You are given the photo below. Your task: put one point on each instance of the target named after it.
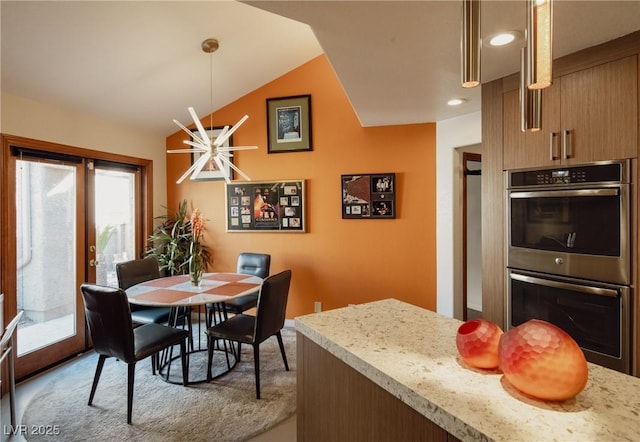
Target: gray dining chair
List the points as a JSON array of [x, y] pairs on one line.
[[134, 272], [246, 329], [130, 273], [113, 335], [248, 263]]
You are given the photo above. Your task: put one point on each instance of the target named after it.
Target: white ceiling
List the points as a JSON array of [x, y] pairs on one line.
[[140, 63]]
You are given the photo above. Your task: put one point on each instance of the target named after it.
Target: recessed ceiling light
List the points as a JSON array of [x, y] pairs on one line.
[[503, 38], [456, 101]]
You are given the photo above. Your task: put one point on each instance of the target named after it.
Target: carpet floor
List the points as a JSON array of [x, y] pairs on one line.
[[225, 409]]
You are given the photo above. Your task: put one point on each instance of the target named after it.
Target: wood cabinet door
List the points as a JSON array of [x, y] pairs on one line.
[[531, 149], [600, 111]]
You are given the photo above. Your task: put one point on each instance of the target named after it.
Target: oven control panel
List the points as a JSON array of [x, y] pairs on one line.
[[592, 173], [566, 176]]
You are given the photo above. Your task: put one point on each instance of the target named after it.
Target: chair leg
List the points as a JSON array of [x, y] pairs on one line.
[[185, 364], [130, 379], [256, 363], [169, 362], [190, 326], [284, 356], [226, 352], [210, 342], [96, 377]]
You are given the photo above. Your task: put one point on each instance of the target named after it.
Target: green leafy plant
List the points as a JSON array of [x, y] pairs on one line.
[[171, 241], [104, 236]]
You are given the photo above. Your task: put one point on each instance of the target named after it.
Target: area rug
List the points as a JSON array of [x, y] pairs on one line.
[[225, 409]]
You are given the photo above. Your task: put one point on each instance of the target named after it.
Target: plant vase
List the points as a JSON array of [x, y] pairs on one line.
[[196, 264]]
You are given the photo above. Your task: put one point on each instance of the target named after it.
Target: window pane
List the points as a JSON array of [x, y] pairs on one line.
[[46, 253], [115, 233]]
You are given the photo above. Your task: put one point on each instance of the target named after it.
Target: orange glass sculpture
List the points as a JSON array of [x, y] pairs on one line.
[[477, 341], [543, 361]]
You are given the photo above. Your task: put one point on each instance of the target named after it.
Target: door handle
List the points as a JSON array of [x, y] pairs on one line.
[[552, 146], [591, 290], [566, 144]]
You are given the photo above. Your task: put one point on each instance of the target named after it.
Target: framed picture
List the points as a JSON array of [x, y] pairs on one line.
[[369, 196], [289, 124], [266, 206], [211, 171]]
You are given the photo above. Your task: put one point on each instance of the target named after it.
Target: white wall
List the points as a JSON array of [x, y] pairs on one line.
[[31, 119], [452, 133]]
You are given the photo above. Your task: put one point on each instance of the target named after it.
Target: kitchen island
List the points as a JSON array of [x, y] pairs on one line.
[[388, 370]]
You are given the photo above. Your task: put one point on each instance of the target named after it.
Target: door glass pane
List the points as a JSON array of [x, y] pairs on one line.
[[46, 253], [115, 232]]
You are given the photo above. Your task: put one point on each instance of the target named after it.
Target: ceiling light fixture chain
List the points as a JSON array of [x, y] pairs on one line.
[[213, 153]]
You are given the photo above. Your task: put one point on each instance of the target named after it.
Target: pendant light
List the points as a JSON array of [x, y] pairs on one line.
[[539, 43], [470, 41], [530, 100], [210, 149]]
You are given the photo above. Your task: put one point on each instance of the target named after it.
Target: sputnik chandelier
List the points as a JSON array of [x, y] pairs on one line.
[[201, 143]]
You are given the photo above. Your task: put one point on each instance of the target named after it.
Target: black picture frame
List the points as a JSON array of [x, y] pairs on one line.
[[289, 124], [266, 206], [369, 196], [210, 172]]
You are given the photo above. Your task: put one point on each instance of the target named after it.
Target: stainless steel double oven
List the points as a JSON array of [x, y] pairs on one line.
[[570, 252]]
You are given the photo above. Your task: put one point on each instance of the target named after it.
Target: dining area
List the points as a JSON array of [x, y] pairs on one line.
[[192, 333]]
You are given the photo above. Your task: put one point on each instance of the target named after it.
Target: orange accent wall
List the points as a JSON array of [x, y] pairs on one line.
[[338, 261]]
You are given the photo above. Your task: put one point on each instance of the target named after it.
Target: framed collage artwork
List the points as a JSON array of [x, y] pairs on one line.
[[369, 196], [267, 206]]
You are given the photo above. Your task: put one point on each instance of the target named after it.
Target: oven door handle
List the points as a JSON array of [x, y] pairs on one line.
[[565, 193], [566, 285]]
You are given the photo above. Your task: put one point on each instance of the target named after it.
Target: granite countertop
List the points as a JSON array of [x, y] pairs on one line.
[[411, 352]]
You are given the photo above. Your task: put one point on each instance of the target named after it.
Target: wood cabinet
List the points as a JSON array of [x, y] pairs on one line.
[[595, 97], [337, 403], [589, 115]]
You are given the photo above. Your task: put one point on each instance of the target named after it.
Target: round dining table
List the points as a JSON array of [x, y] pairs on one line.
[[177, 291]]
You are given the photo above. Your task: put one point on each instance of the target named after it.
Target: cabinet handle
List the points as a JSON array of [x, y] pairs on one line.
[[566, 144], [552, 146]]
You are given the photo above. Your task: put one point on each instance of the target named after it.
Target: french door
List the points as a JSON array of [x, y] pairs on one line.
[[70, 217]]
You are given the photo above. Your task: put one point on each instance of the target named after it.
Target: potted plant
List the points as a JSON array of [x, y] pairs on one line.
[[171, 242]]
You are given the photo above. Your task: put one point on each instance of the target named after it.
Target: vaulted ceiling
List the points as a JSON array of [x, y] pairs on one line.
[[140, 63]]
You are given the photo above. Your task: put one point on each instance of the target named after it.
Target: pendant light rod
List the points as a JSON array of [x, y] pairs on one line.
[[470, 41], [210, 45], [539, 43]]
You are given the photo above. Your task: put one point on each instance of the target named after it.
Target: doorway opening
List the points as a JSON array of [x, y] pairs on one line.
[[472, 236], [468, 233]]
